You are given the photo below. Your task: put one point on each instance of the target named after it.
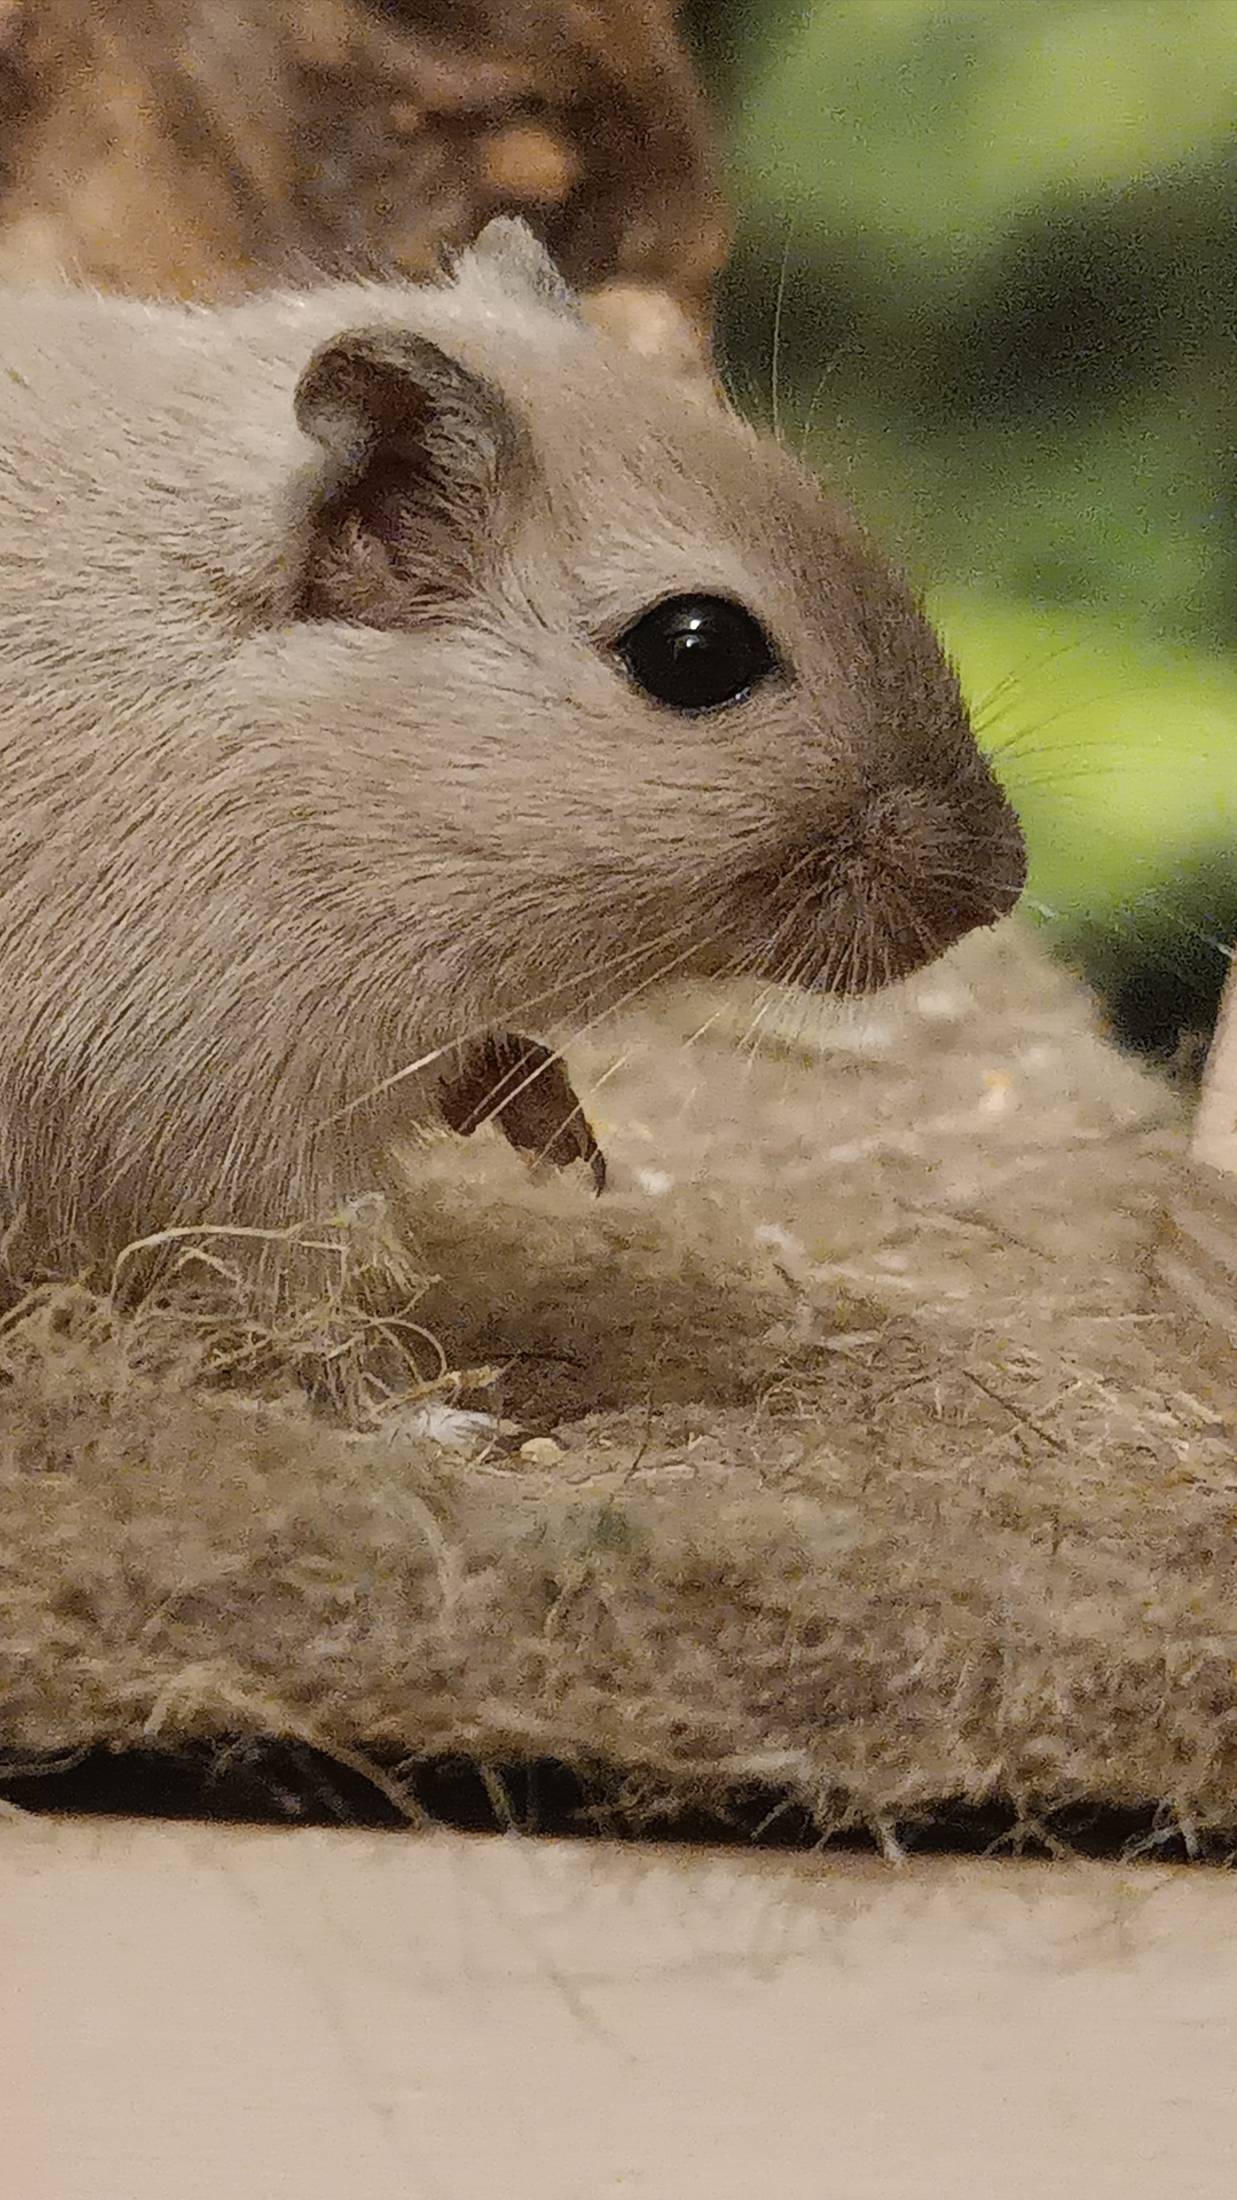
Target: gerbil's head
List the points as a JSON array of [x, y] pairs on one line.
[[645, 698]]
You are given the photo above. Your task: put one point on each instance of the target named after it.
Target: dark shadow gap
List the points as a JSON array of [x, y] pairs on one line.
[[275, 1783]]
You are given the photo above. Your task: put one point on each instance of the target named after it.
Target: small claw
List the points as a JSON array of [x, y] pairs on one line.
[[597, 1166], [524, 1088]]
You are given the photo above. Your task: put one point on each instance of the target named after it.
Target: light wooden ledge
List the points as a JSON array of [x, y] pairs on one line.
[[194, 2013]]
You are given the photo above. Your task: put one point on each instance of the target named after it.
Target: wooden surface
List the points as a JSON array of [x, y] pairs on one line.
[[189, 2012]]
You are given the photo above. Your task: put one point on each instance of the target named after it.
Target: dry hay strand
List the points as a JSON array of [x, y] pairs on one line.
[[201, 1305], [873, 1475]]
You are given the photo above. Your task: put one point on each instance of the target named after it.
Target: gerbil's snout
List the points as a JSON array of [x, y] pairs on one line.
[[932, 870], [920, 868], [906, 874]]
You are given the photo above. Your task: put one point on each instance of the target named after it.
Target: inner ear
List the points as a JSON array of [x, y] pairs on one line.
[[419, 451]]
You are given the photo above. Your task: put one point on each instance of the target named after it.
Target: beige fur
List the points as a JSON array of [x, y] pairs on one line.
[[289, 802]]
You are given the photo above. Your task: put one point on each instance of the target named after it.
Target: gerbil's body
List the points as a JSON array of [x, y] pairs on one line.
[[320, 749]]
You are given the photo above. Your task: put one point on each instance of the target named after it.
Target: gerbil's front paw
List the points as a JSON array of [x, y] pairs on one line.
[[522, 1087]]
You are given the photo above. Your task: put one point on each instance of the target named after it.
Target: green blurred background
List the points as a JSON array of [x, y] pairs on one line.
[[996, 242]]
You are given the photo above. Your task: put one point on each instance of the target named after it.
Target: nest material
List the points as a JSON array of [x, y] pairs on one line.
[[865, 1469]]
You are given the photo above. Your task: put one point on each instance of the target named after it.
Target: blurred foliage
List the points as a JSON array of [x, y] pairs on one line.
[[996, 241], [1121, 758]]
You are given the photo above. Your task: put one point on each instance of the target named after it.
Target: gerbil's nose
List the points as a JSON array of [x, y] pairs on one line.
[[982, 878], [933, 864], [1007, 865], [963, 833]]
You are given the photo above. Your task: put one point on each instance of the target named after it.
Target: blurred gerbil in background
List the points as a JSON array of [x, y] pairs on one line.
[[188, 147]]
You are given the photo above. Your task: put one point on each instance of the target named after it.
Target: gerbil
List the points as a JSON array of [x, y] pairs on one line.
[[384, 668]]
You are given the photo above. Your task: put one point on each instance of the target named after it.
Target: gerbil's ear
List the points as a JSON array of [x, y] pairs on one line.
[[507, 253], [419, 453]]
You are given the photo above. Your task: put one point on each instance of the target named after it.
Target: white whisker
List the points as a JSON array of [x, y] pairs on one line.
[[775, 365]]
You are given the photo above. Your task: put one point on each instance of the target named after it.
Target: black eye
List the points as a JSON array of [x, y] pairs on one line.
[[696, 652]]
